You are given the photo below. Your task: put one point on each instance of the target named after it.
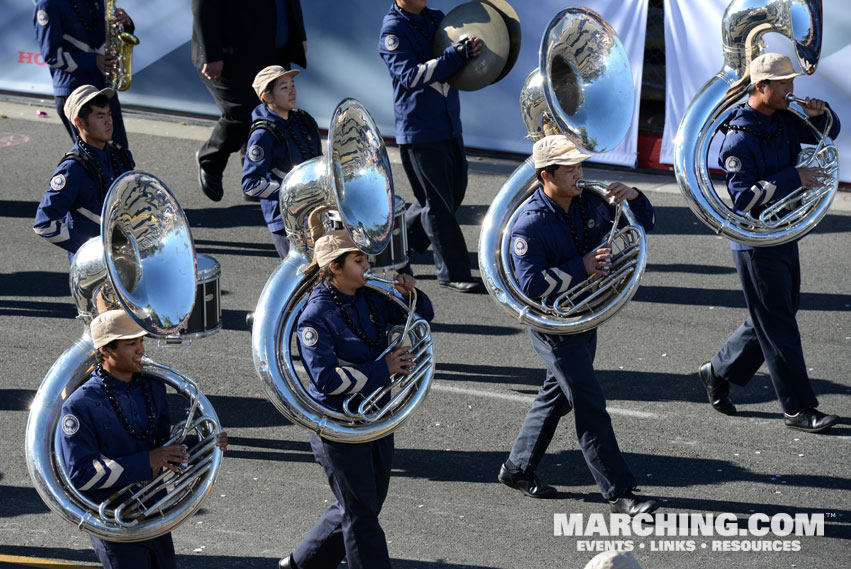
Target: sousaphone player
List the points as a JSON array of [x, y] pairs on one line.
[[759, 154]]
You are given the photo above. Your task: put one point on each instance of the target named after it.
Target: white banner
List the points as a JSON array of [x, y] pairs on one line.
[[343, 61], [693, 56]]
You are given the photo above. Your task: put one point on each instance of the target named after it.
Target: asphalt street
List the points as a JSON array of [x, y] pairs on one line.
[[445, 508]]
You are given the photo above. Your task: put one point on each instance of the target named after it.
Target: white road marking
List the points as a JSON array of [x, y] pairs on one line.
[[530, 399]]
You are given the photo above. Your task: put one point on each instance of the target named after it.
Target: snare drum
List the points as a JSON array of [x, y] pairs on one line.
[[206, 317], [395, 255]]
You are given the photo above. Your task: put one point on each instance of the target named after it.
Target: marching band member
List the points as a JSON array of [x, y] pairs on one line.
[[341, 332], [759, 154], [113, 429], [72, 36], [553, 247], [281, 137], [428, 131], [69, 212]]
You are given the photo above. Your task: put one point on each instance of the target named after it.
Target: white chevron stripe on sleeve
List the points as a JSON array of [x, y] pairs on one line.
[[71, 64], [360, 379], [115, 472], [550, 281], [431, 65], [100, 472], [769, 192], [278, 173], [757, 194], [565, 279], [90, 215], [81, 45], [346, 382], [264, 189], [421, 68], [60, 58], [54, 233]]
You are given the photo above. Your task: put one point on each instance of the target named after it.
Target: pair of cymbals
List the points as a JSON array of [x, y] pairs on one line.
[[494, 22]]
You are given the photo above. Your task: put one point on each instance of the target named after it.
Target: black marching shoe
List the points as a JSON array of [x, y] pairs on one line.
[[526, 483], [471, 286], [629, 503], [287, 563], [717, 388], [810, 421], [210, 184]]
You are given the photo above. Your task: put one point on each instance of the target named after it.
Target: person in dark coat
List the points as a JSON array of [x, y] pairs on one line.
[[231, 43]]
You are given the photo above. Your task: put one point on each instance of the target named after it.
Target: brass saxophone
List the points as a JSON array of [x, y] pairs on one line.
[[119, 45]]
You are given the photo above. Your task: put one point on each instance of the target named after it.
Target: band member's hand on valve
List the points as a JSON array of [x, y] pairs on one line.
[[812, 176], [814, 107], [399, 361], [222, 441], [170, 457], [617, 192], [405, 284], [598, 262]]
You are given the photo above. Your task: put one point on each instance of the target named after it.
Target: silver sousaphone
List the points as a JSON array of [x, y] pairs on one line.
[[744, 24], [143, 262], [354, 179], [584, 90]]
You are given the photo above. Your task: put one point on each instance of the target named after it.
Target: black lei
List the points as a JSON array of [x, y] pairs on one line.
[[149, 406], [373, 317]]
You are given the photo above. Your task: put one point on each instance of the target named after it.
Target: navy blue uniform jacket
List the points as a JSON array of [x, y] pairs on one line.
[[69, 212], [546, 260], [760, 161], [427, 109], [268, 161], [99, 454], [70, 41], [338, 361]]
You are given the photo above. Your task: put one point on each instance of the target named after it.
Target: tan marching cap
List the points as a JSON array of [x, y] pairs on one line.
[[771, 66], [114, 325], [269, 74], [556, 149], [80, 96], [330, 246], [613, 560]]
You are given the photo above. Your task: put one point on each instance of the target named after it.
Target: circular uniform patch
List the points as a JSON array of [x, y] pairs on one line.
[[732, 164], [70, 424], [309, 336], [255, 153], [391, 42], [41, 17], [57, 182], [520, 246]]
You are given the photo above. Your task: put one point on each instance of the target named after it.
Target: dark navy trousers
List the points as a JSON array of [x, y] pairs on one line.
[[437, 172], [771, 281], [571, 384], [359, 476], [157, 553]]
